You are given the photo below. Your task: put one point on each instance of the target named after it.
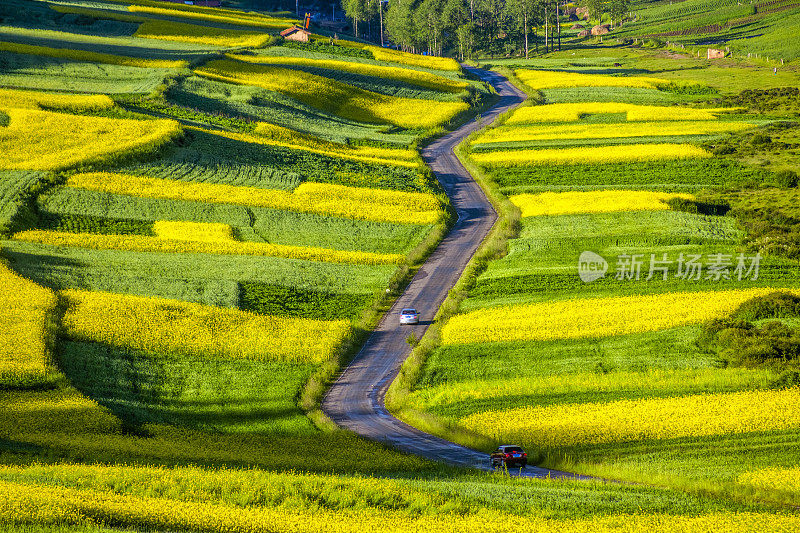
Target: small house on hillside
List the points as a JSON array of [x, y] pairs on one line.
[[296, 33], [714, 53]]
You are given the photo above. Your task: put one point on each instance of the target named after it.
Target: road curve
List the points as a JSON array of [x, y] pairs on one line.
[[356, 400]]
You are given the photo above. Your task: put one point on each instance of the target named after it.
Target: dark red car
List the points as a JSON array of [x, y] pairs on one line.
[[509, 456]]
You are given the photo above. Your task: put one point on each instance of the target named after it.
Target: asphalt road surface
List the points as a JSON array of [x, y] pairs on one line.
[[356, 399]]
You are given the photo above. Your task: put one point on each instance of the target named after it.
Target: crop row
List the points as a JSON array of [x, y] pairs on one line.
[[594, 317], [191, 33], [192, 329], [43, 140], [230, 17], [608, 131], [414, 77], [335, 97], [273, 135], [53, 101], [592, 154], [642, 419], [82, 210], [26, 324], [572, 112], [41, 504], [193, 242], [604, 201], [336, 200], [91, 57], [548, 79]]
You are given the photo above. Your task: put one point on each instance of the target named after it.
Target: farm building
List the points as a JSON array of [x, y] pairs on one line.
[[296, 33]]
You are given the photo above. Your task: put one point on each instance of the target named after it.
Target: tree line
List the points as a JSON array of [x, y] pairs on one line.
[[469, 27]]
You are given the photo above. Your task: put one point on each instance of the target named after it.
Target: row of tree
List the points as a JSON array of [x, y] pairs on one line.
[[467, 27]]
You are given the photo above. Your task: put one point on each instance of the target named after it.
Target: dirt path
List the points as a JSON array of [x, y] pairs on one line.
[[356, 400]]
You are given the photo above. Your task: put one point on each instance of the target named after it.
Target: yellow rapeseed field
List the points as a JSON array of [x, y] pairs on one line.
[[414, 60], [594, 317], [98, 13], [783, 479], [142, 243], [650, 382], [415, 77], [62, 412], [193, 231], [550, 79], [321, 198], [191, 33], [649, 418], [26, 325], [523, 133], [20, 99], [604, 201], [591, 154], [573, 112], [272, 135], [172, 326], [42, 140], [229, 17], [91, 57], [44, 504], [334, 96]]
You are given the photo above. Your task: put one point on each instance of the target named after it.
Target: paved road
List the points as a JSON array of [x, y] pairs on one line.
[[356, 400]]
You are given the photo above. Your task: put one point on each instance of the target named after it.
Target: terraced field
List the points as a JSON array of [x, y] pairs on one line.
[[586, 341], [202, 222]]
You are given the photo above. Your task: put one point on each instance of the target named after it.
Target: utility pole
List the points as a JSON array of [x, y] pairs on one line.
[[558, 25], [380, 16]]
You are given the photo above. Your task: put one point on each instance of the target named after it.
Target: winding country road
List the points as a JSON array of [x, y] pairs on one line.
[[356, 400]]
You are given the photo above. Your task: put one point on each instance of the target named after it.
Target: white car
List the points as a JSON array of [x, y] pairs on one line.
[[409, 316]]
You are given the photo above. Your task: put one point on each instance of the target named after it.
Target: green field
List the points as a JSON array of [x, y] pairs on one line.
[[550, 388], [200, 223]]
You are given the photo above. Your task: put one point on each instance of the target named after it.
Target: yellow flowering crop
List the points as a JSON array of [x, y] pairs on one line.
[[415, 77], [573, 112], [24, 415], [228, 17], [642, 419], [26, 319], [98, 13], [591, 154], [414, 60], [142, 243], [91, 57], [784, 479], [650, 382], [594, 317], [20, 99], [44, 504], [607, 131], [272, 135], [194, 231], [549, 79], [604, 201], [174, 326], [42, 140], [190, 33], [336, 200], [334, 96]]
